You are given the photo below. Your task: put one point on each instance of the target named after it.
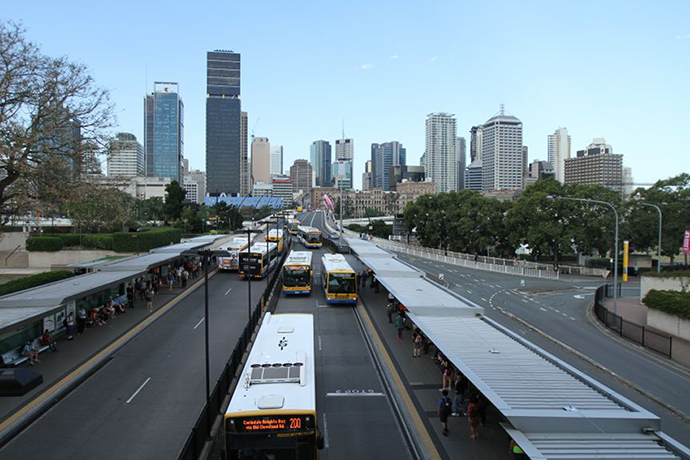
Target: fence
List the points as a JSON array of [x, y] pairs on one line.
[[659, 342], [201, 431]]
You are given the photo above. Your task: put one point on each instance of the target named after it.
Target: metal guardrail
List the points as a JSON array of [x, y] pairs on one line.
[[657, 341]]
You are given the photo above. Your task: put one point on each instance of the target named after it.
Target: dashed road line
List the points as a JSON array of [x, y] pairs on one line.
[[199, 323], [138, 390]]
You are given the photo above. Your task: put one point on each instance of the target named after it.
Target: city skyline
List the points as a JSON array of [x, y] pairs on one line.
[[384, 87]]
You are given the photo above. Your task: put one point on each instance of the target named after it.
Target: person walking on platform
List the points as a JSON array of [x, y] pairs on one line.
[[81, 320], [364, 277], [444, 408], [130, 295], [461, 387], [417, 344], [390, 310], [400, 325], [473, 417]]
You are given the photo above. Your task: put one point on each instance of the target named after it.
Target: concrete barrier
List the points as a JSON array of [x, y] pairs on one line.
[[670, 324]]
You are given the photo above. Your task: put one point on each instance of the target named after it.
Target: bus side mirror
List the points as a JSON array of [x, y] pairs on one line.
[[320, 442]]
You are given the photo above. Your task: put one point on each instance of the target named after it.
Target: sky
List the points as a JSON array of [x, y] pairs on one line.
[[613, 69]]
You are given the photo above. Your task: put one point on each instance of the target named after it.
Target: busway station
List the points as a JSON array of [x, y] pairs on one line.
[[552, 410]]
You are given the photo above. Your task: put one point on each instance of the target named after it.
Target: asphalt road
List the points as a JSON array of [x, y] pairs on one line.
[[143, 403]]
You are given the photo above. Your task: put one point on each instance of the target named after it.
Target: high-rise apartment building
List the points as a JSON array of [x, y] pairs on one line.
[[282, 188], [596, 165], [473, 176], [195, 184], [460, 149], [261, 160], [475, 143], [441, 161], [223, 117], [502, 153], [558, 152], [383, 157], [366, 176], [345, 149], [276, 159], [126, 156], [301, 176], [245, 176], [320, 154], [164, 131]]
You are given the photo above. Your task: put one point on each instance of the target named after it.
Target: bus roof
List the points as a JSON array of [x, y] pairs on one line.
[[260, 248], [282, 339], [335, 262], [298, 258], [306, 229], [236, 244], [275, 232]]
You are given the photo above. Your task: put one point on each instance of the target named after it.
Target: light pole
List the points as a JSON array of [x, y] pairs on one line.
[[658, 265], [615, 251]]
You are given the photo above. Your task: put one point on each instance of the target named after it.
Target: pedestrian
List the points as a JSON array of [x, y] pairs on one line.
[[142, 289], [364, 278], [518, 453], [461, 386], [417, 344], [69, 325], [445, 367], [148, 295], [473, 417], [444, 407], [185, 277], [376, 285], [46, 339], [400, 325], [81, 320], [390, 310], [171, 280], [130, 295], [30, 352]]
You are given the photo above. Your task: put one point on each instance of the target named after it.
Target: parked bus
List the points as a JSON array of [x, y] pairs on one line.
[[339, 280], [297, 273], [299, 208], [293, 225], [257, 260], [231, 262], [272, 411], [275, 236], [310, 237]]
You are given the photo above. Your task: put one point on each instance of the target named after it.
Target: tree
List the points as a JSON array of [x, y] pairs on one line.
[[174, 200], [151, 209], [53, 121], [94, 208]]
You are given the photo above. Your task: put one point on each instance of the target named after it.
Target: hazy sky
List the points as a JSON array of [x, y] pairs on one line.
[[613, 69]]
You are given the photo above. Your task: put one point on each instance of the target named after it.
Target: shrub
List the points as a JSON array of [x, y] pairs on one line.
[[146, 240], [672, 302], [70, 239], [104, 241], [44, 243], [33, 281]]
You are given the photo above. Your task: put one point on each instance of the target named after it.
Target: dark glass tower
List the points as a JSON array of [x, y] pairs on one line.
[[223, 109], [164, 131]]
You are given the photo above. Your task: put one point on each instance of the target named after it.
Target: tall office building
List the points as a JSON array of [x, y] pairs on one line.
[[223, 118], [195, 184], [345, 149], [473, 176], [559, 151], [261, 160], [277, 159], [320, 154], [596, 165], [301, 176], [441, 162], [126, 156], [366, 176], [475, 143], [245, 176], [383, 157], [460, 149], [502, 153], [282, 188], [342, 174], [164, 131]]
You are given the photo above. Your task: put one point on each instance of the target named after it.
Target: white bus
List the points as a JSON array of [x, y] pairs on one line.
[[272, 412], [297, 273], [339, 280], [310, 237], [258, 259], [234, 247], [275, 236]]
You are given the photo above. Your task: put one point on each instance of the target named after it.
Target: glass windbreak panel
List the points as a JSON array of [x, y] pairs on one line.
[[342, 283], [313, 238], [296, 277]]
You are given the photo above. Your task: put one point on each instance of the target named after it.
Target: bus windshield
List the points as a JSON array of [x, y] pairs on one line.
[[296, 276], [342, 283], [313, 237]]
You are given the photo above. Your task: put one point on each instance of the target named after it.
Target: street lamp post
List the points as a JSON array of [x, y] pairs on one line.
[[658, 209], [615, 251]]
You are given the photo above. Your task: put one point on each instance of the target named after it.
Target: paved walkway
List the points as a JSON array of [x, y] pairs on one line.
[[422, 380]]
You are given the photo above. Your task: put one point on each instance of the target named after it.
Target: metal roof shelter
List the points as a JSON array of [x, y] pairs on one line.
[[246, 201], [554, 411]]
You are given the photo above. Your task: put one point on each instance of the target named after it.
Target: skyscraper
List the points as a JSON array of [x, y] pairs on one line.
[[383, 157], [320, 154], [301, 176], [460, 147], [345, 149], [164, 131], [502, 153], [559, 151], [366, 176], [596, 165], [261, 160], [475, 143], [245, 177], [441, 162], [223, 133], [276, 159], [342, 174], [126, 156]]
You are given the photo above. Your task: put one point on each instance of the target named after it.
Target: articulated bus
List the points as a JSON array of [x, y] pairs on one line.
[[272, 412], [293, 224], [257, 260], [234, 247], [309, 236], [339, 280], [297, 273], [275, 236]]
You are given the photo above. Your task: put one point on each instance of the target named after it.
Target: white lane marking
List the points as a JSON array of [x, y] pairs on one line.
[[325, 430], [323, 306], [355, 394], [199, 323], [228, 291], [469, 292], [319, 343], [579, 296], [483, 299], [572, 318], [542, 309], [556, 310], [137, 392], [524, 300], [564, 315]]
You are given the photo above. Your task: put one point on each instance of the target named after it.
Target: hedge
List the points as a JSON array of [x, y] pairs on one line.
[[33, 281], [672, 302], [104, 241], [44, 243], [146, 240]]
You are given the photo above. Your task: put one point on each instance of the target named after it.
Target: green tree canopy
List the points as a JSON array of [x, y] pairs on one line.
[[174, 200]]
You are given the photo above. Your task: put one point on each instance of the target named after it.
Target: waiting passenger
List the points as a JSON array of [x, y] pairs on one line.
[[47, 340], [30, 352]]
